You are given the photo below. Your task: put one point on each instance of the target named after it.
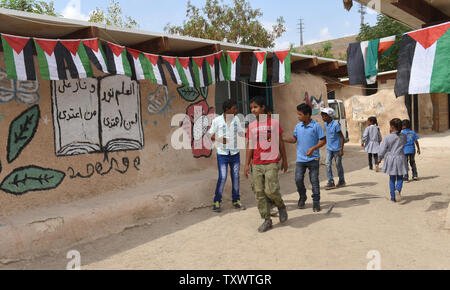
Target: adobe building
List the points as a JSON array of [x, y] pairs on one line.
[[163, 180]]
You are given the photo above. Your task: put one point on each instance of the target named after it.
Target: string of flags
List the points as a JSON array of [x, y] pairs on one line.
[[58, 58], [423, 64]]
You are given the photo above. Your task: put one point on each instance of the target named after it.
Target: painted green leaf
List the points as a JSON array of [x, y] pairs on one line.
[[31, 178], [204, 92], [188, 93], [21, 132]]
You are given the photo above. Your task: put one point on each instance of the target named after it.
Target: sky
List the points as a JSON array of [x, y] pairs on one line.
[[323, 19]]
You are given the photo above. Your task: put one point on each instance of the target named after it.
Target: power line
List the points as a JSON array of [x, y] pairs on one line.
[[301, 28]]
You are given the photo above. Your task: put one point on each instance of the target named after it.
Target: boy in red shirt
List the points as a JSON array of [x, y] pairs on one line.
[[264, 147]]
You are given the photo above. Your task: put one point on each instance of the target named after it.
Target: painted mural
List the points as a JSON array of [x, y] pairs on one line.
[[26, 92], [28, 178], [314, 103], [97, 115], [159, 102]]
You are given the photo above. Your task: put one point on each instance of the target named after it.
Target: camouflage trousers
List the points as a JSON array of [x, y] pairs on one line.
[[265, 184]]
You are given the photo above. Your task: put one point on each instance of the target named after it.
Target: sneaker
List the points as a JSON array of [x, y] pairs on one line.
[[341, 184], [239, 205], [216, 207], [316, 207], [393, 200], [301, 203], [415, 178], [406, 179], [267, 225], [283, 214], [330, 186], [398, 196]]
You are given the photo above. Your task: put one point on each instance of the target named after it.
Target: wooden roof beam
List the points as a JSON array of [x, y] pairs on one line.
[[325, 67], [339, 73], [421, 10], [88, 32], [204, 50], [156, 45], [305, 64]]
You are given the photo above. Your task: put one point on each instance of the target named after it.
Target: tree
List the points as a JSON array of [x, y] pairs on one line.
[[238, 24], [324, 51], [385, 27], [113, 16], [39, 7]]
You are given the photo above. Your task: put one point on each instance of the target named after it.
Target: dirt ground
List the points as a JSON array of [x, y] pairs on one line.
[[354, 220]]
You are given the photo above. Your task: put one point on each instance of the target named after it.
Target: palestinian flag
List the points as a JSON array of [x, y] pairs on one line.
[[18, 54], [138, 64], [76, 57], [234, 65], [153, 70], [259, 67], [209, 67], [281, 66], [362, 59], [221, 66], [424, 61], [51, 59], [117, 60], [179, 70], [198, 71], [95, 53]]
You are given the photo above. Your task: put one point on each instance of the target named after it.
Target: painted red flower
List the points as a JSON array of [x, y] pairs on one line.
[[197, 123]]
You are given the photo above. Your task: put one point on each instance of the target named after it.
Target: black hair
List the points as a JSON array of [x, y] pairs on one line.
[[406, 123], [260, 101], [373, 120], [228, 104], [305, 109], [397, 124]]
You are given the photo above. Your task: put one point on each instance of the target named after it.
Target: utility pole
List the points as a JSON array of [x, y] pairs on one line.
[[301, 28], [362, 11]]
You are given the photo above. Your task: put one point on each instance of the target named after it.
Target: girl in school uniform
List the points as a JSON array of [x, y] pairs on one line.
[[395, 164], [371, 142]]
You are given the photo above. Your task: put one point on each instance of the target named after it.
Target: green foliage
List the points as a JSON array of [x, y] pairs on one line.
[[324, 51], [385, 27], [113, 16], [39, 7], [238, 23]]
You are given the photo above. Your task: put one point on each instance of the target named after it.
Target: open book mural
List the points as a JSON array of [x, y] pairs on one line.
[[96, 115]]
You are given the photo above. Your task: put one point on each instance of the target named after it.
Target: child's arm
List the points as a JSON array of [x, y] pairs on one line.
[[291, 140], [248, 159], [284, 163], [418, 147], [383, 150], [341, 151], [317, 147], [365, 137]]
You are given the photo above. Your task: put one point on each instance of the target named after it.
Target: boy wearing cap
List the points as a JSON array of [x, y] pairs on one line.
[[335, 147]]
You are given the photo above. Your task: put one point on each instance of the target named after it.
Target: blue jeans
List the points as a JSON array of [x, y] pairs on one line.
[[300, 172], [396, 183], [222, 163], [330, 156]]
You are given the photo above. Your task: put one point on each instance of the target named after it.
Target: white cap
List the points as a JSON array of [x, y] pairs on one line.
[[329, 111]]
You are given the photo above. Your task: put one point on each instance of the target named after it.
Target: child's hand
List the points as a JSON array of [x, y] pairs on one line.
[[418, 151], [341, 153], [284, 166], [247, 171], [362, 145], [310, 152]]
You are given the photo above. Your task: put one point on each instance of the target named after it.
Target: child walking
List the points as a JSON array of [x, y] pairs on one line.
[[395, 164], [410, 150], [371, 142], [309, 137], [335, 147], [264, 148]]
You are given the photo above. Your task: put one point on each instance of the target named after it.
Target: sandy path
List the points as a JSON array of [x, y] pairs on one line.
[[407, 236]]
